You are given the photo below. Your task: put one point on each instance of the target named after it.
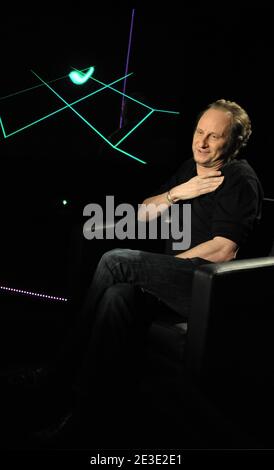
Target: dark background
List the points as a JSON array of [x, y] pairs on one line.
[[181, 59]]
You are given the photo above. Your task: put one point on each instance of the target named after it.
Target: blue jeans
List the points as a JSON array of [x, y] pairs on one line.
[[115, 318], [164, 276]]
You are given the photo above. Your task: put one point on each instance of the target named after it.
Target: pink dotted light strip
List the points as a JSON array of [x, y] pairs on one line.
[[33, 294]]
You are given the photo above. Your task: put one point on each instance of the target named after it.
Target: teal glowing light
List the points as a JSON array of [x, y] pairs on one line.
[[79, 77], [54, 112], [87, 122], [70, 105], [64, 202]]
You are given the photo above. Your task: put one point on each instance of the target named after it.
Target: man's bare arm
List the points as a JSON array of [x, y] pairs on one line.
[[195, 187], [217, 250]]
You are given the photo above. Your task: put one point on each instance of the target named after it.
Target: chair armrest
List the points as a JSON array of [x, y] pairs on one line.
[[227, 314]]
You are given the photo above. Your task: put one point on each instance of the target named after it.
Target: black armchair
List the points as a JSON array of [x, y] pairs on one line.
[[223, 355], [249, 276], [231, 319], [225, 352]]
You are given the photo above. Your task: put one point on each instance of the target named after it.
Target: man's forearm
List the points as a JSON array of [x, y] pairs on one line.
[[217, 250], [152, 207]]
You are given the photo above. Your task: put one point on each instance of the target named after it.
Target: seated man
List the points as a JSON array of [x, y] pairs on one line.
[[225, 196]]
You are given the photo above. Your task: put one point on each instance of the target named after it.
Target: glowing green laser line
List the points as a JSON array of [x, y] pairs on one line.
[[133, 129], [127, 96], [37, 86], [69, 105], [87, 122], [120, 93], [133, 99], [60, 109], [30, 88], [166, 111], [2, 126]]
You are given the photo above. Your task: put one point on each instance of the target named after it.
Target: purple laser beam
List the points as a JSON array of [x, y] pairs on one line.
[[127, 62]]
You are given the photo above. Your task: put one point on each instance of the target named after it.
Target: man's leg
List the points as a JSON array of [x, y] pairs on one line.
[[165, 277], [112, 322], [110, 406], [113, 359]]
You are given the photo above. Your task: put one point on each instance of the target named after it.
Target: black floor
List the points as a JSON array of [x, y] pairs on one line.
[[166, 411]]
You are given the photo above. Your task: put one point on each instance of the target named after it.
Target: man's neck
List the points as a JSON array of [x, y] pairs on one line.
[[204, 170]]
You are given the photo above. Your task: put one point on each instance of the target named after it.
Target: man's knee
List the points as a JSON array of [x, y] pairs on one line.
[[118, 255], [121, 292]]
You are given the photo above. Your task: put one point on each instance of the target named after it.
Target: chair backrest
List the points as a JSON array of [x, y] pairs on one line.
[[268, 214], [261, 242], [268, 226], [231, 316], [230, 330]]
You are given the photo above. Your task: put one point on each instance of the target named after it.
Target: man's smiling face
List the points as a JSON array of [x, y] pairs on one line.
[[211, 136]]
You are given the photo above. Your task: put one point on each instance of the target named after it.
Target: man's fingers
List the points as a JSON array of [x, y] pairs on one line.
[[215, 179], [212, 181], [207, 186], [208, 189], [212, 174]]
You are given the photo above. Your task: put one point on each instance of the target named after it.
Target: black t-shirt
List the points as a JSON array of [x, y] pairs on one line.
[[232, 211]]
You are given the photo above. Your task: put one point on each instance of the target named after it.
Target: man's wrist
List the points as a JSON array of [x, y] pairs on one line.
[[170, 198]]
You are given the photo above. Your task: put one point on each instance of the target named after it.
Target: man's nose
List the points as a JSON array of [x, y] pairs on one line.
[[203, 141]]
